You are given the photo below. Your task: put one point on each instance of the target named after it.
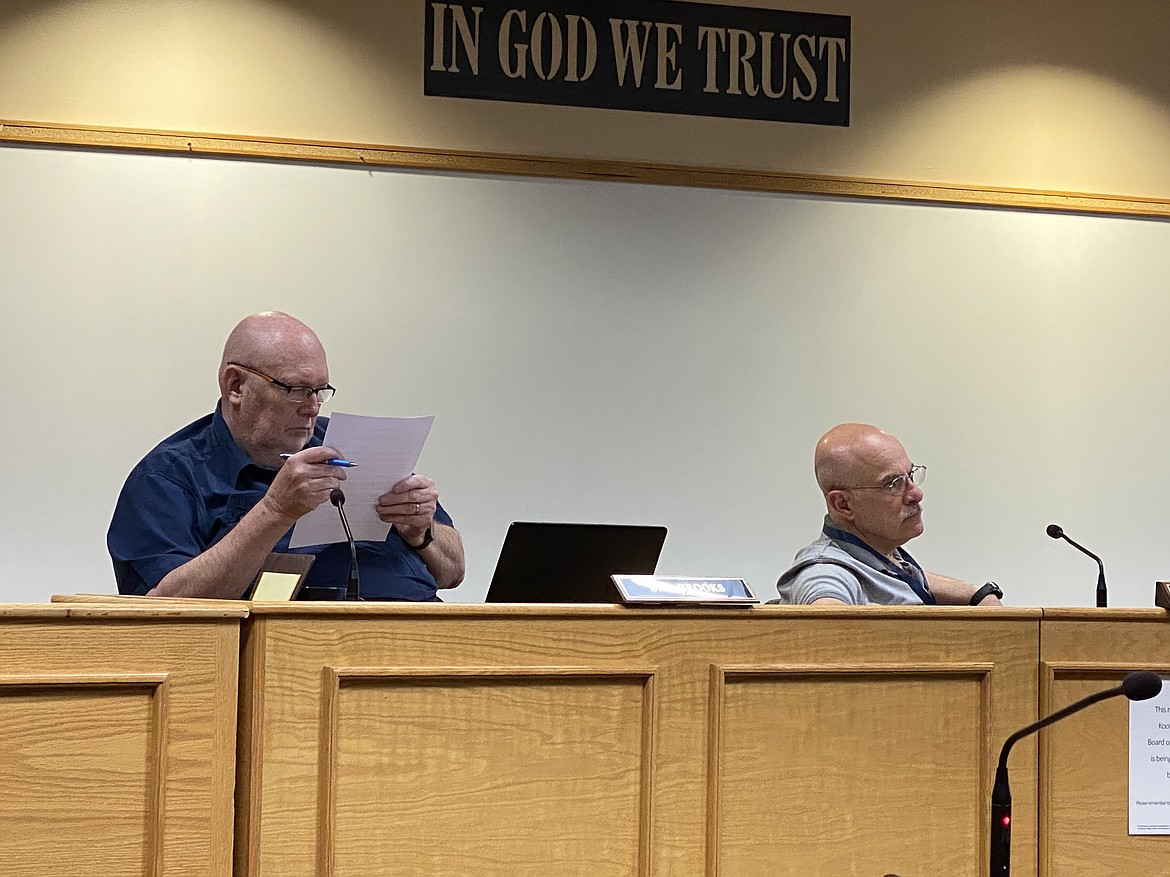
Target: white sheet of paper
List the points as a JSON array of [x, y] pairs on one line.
[[386, 450], [1149, 764]]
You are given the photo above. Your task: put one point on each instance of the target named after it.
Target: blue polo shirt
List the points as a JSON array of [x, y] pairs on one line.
[[188, 493]]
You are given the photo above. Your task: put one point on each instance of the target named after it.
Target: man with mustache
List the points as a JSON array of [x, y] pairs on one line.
[[874, 507]]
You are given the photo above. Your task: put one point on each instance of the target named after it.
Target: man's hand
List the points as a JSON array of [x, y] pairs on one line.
[[227, 567], [303, 483], [410, 506]]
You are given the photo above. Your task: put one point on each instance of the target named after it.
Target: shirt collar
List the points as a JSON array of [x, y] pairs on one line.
[[227, 457], [869, 555]]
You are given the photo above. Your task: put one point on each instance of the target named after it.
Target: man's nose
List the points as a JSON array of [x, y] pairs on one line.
[[310, 406], [913, 494]]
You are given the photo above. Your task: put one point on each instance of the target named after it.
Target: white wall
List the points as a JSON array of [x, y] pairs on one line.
[[600, 352]]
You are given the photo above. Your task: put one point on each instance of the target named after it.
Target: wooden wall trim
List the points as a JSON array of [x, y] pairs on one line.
[[224, 146]]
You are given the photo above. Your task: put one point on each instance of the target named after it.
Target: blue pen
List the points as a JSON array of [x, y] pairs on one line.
[[335, 461]]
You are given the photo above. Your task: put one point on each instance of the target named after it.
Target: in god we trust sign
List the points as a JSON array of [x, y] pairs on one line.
[[657, 56]]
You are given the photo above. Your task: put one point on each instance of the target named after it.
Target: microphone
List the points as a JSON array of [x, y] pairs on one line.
[[353, 590], [1057, 532], [1140, 685]]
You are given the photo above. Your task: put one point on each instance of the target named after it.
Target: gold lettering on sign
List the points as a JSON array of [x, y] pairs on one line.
[[709, 35], [742, 48], [572, 74], [806, 67], [557, 47], [462, 32], [519, 69], [836, 47], [437, 31], [666, 56], [546, 23], [766, 64], [629, 51]]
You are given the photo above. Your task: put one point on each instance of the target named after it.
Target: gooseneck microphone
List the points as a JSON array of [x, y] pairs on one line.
[[353, 588], [1057, 532], [1140, 685]]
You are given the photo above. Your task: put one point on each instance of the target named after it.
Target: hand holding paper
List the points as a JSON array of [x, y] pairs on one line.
[[409, 506], [386, 450]]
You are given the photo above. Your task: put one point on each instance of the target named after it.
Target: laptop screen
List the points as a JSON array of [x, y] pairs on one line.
[[571, 563]]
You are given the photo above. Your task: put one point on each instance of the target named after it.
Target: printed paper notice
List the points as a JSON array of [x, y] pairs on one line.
[[385, 450], [1149, 764]]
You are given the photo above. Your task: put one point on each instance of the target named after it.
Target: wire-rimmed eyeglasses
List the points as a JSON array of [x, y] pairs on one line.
[[899, 483]]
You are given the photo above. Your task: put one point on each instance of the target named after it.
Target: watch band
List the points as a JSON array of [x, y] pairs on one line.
[[984, 591], [428, 538]]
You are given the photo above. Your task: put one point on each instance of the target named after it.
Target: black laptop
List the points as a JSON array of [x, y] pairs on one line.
[[571, 563]]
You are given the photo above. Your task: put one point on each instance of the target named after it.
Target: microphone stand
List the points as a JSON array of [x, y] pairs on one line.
[[1057, 532], [1141, 685], [353, 584]]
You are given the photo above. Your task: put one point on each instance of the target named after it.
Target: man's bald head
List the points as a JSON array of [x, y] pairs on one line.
[[261, 338], [846, 455]]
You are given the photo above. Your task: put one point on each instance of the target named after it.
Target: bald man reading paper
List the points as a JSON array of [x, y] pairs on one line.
[[874, 507], [200, 513]]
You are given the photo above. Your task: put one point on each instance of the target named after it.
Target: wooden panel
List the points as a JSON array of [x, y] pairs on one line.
[[119, 735], [80, 762], [1084, 760], [438, 690], [599, 740], [552, 763], [841, 761]]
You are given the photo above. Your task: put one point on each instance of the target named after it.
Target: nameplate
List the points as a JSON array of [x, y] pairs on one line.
[[684, 589]]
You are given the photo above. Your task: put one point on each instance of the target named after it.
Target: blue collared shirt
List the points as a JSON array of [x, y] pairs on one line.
[[194, 487]]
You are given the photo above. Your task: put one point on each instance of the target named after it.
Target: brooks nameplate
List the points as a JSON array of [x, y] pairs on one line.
[[684, 589]]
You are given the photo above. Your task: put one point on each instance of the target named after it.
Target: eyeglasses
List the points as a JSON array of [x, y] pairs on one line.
[[898, 485], [296, 395]]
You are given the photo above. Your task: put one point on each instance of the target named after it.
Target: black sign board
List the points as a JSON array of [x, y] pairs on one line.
[[659, 56]]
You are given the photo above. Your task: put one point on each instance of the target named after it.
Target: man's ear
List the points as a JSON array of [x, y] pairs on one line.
[[840, 504], [231, 383]]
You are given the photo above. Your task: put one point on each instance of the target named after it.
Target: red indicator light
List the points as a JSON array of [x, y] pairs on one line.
[[1006, 820]]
